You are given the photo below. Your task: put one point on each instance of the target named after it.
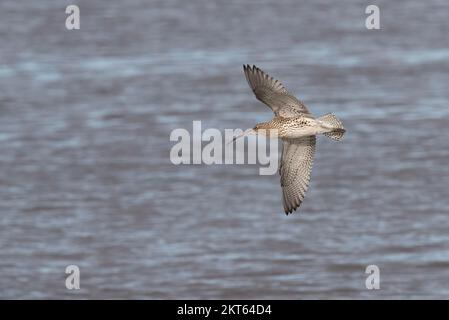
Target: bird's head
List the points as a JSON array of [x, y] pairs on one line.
[[263, 128]]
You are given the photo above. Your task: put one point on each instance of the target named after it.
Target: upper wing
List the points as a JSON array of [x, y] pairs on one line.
[[271, 92], [295, 169]]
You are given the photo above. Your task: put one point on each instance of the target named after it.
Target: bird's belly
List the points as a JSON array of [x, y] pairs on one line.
[[302, 132]]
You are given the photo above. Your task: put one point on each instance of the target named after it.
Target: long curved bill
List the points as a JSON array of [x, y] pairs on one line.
[[247, 132]]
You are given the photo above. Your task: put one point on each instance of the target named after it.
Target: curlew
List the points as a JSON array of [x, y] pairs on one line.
[[296, 127]]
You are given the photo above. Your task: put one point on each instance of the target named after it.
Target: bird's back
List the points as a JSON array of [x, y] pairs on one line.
[[295, 127]]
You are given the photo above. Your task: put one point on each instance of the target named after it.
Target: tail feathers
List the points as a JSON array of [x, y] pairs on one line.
[[332, 121], [336, 134]]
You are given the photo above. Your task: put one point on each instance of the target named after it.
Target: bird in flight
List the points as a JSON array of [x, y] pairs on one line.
[[296, 127]]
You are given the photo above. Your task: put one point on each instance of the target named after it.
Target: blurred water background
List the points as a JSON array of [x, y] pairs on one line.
[[85, 175]]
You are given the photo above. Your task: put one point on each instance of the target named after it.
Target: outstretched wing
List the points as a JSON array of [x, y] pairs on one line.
[[271, 92], [295, 169]]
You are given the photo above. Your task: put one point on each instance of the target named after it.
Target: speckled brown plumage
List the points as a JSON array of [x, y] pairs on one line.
[[297, 127]]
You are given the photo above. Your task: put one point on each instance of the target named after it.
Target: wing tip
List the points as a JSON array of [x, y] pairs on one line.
[[250, 67], [290, 211], [290, 208]]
